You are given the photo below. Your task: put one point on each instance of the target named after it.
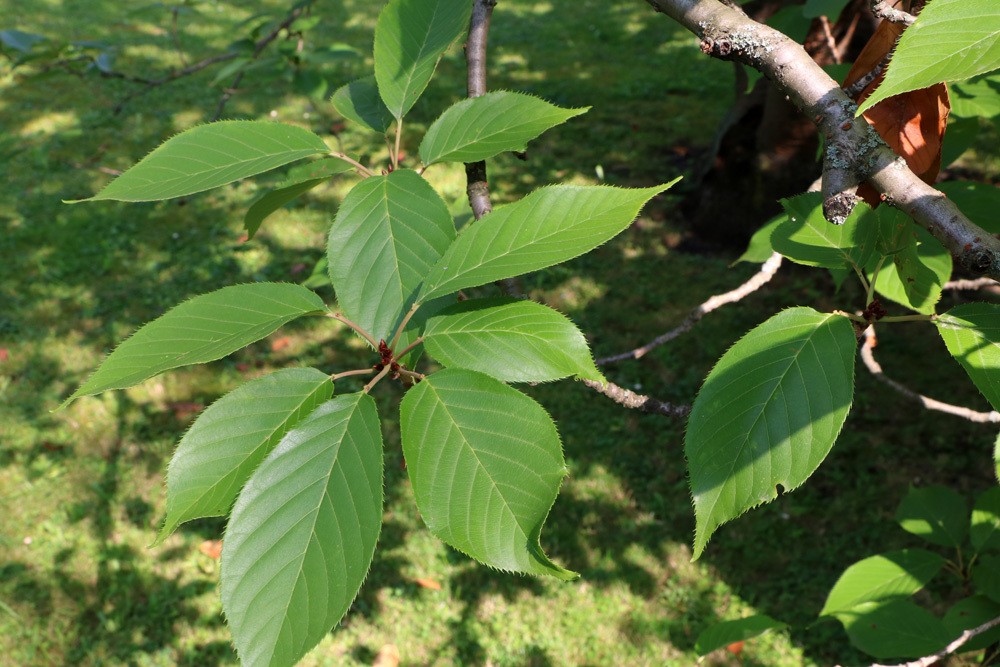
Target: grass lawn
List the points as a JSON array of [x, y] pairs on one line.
[[81, 490]]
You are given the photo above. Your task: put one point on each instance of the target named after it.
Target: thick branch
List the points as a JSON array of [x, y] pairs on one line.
[[767, 271], [630, 399], [963, 638], [868, 357], [728, 33]]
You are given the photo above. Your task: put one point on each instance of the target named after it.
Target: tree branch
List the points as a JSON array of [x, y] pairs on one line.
[[963, 638], [868, 357], [477, 187], [728, 33], [766, 272], [881, 9], [630, 399]]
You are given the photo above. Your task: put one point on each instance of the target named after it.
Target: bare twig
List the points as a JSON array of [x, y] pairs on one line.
[[766, 272], [375, 380], [477, 187], [364, 334], [359, 371], [729, 34], [963, 638], [868, 358], [859, 86], [831, 43], [630, 399], [881, 9], [966, 284]]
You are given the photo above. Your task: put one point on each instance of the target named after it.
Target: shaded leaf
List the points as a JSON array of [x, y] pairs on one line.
[[726, 633], [971, 332], [511, 340], [986, 576], [888, 576], [895, 629], [976, 98], [359, 101], [759, 249], [951, 40], [298, 181], [918, 271], [302, 534], [768, 414], [970, 613], [410, 37], [211, 155], [549, 226], [486, 463], [481, 127], [205, 328], [388, 233], [978, 201], [935, 513], [229, 440]]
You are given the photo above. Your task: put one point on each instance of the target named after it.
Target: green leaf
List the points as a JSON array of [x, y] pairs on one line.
[[303, 532], [984, 530], [935, 513], [996, 457], [917, 272], [388, 233], [726, 632], [951, 40], [513, 341], [208, 156], [976, 98], [229, 439], [205, 328], [768, 414], [978, 201], [808, 238], [896, 629], [986, 576], [970, 613], [971, 332], [551, 225], [959, 138], [481, 127], [888, 576], [359, 101], [485, 463], [759, 250], [298, 181], [410, 37]]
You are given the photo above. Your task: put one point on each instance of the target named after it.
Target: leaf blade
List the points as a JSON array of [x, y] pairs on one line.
[[726, 632], [303, 533], [388, 233], [784, 425], [888, 576], [205, 328], [935, 513], [297, 182], [211, 155], [551, 225], [359, 101], [510, 340], [481, 127], [971, 332], [231, 437], [485, 462]]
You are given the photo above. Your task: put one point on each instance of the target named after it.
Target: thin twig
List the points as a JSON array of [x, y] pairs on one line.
[[868, 357], [859, 86], [395, 152], [402, 353], [963, 638], [766, 272], [402, 325], [966, 284], [831, 43], [364, 334], [360, 371], [411, 374], [630, 399], [375, 380], [882, 10], [365, 171]]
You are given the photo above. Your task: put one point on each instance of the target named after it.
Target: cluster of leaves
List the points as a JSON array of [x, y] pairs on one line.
[[873, 597], [298, 469]]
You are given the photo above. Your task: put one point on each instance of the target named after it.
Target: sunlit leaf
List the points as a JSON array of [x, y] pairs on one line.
[[511, 340], [302, 534], [229, 439], [768, 414], [971, 332], [205, 328], [211, 155], [551, 225], [486, 463], [481, 127], [388, 233], [888, 576], [725, 633], [806, 237], [937, 514], [984, 530]]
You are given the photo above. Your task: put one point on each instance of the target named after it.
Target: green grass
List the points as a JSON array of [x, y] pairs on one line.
[[81, 489]]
